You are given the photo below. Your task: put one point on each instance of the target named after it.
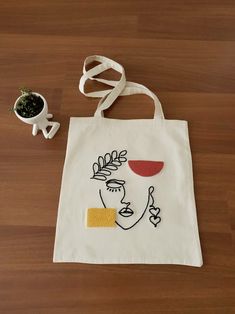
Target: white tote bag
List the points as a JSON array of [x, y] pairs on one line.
[[127, 191]]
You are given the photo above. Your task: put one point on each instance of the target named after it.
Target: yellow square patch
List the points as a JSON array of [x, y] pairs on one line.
[[101, 217]]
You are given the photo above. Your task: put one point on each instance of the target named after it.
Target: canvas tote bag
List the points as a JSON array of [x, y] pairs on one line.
[[127, 192]]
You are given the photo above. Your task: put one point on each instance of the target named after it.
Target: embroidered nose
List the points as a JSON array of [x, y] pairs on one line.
[[145, 168]]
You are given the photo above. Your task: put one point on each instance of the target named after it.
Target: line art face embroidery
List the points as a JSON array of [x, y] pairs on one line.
[[112, 192]]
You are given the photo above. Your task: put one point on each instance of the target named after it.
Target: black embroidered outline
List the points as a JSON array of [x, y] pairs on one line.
[[153, 222], [105, 165], [112, 189], [103, 168], [124, 190], [150, 199], [154, 211]]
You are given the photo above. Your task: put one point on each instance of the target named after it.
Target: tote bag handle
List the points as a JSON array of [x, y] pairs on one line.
[[120, 88]]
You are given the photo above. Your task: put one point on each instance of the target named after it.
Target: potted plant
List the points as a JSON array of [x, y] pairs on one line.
[[32, 108]]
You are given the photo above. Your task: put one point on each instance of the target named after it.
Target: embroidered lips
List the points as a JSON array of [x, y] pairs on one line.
[[126, 212], [145, 168]]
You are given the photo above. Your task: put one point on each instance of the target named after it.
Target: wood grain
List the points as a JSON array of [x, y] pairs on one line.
[[183, 51]]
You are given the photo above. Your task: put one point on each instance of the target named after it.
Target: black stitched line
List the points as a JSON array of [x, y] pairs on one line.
[[125, 203], [105, 165], [150, 190], [155, 217], [101, 198], [150, 197]]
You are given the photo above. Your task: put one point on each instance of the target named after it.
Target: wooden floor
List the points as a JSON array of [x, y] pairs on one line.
[[182, 50]]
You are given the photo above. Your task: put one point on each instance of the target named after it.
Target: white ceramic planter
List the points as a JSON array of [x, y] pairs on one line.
[[40, 121]]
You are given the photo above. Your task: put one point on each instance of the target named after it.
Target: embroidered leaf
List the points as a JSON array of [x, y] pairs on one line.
[[99, 177], [114, 154], [105, 172], [107, 164], [111, 167], [123, 153], [117, 163], [101, 161], [95, 168], [107, 158]]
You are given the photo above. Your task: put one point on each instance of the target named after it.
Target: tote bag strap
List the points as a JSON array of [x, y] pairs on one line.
[[119, 88]]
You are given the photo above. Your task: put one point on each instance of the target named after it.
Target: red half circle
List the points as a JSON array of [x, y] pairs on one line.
[[146, 168]]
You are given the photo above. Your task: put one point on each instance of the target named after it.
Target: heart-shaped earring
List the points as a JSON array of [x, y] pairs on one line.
[[154, 211], [154, 220]]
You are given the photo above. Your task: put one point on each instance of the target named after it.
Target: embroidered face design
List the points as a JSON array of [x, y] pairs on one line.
[[118, 192], [112, 192]]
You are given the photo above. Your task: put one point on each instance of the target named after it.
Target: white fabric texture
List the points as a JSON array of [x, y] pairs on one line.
[[141, 168]]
